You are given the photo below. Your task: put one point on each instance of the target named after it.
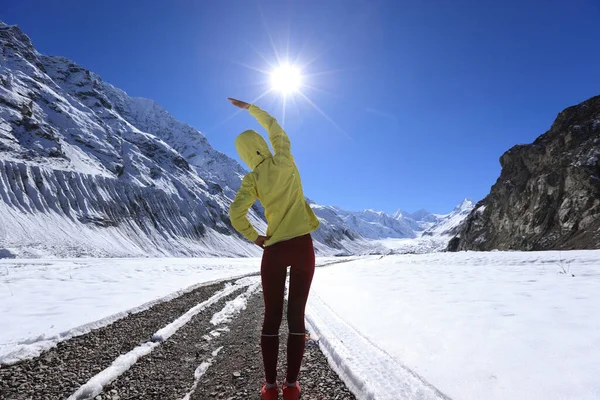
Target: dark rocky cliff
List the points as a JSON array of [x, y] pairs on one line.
[[548, 193]]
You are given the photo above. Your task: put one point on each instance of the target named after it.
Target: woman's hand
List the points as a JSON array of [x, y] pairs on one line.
[[239, 103], [260, 241]]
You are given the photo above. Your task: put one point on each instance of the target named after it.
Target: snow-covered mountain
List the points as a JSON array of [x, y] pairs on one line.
[[375, 224], [402, 232], [434, 233], [86, 169], [419, 221], [335, 233], [449, 224]]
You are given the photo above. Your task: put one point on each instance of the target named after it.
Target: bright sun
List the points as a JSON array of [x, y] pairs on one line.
[[286, 79], [289, 80]]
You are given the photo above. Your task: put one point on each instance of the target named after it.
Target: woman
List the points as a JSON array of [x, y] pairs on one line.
[[275, 181]]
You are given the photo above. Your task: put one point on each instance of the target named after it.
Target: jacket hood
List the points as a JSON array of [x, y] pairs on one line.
[[252, 148]]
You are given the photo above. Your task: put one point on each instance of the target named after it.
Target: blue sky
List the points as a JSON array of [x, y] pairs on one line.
[[421, 97]]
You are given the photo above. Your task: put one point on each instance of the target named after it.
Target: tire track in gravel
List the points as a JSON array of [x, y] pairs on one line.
[[236, 372], [60, 371], [168, 372]]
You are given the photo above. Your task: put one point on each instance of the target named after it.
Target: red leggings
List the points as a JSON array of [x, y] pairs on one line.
[[300, 255]]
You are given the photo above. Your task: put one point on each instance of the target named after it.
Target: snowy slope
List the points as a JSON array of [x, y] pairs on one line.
[[335, 233], [432, 231], [80, 176], [86, 170], [401, 233], [448, 225], [419, 221], [440, 230], [148, 116], [376, 224], [473, 325]]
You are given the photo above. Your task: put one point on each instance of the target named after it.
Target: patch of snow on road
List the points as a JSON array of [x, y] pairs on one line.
[[94, 386], [166, 332], [234, 306], [200, 371]]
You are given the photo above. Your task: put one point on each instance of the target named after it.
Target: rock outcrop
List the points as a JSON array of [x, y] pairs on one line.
[[548, 193]]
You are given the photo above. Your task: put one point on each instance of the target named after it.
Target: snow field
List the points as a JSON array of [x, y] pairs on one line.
[[368, 371], [497, 325]]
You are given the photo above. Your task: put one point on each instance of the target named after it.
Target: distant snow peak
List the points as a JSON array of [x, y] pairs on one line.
[[398, 214], [420, 231], [448, 225], [465, 205]]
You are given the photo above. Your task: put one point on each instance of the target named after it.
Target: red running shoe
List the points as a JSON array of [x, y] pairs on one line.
[[269, 394], [291, 392]]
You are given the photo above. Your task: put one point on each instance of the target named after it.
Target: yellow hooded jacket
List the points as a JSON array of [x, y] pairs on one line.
[[275, 181]]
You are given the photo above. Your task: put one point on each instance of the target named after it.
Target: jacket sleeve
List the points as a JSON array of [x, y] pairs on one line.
[[245, 197], [279, 139]]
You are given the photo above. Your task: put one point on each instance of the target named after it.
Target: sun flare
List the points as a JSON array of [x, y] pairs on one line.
[[290, 81], [286, 79]]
